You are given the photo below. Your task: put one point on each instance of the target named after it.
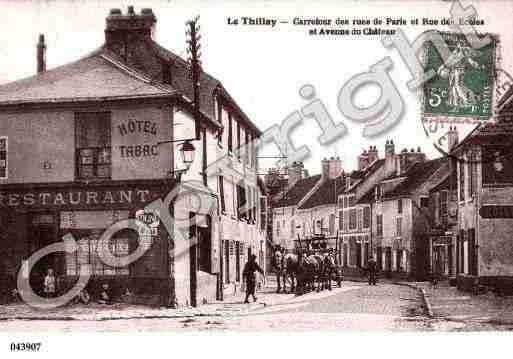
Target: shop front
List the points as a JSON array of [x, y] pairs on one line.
[[442, 255], [35, 216]]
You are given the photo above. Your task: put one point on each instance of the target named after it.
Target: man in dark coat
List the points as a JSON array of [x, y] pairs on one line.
[[249, 275], [372, 271]]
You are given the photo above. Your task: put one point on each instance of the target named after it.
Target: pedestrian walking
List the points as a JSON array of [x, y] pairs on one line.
[[49, 284], [372, 271], [249, 275]]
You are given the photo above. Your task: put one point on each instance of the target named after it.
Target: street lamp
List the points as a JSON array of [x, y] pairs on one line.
[[187, 151]]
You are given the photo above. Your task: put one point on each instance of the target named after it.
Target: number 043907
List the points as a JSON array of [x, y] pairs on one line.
[[24, 347]]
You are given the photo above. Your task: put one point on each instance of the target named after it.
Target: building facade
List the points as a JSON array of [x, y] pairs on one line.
[[485, 202], [104, 153]]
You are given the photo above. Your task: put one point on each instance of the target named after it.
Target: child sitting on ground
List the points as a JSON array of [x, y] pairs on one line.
[[105, 296]]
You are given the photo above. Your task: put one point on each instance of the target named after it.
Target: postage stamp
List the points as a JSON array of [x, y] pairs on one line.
[[463, 85]]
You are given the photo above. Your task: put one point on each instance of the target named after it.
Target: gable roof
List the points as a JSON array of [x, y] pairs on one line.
[[416, 175], [449, 183], [103, 75], [300, 189], [95, 76], [327, 193], [360, 175]]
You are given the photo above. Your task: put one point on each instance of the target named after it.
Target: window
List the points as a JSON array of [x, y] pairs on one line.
[[263, 213], [400, 205], [220, 119], [352, 201], [341, 220], [93, 144], [230, 133], [241, 201], [359, 219], [352, 218], [473, 174], [246, 148], [253, 152], [462, 180], [221, 194], [3, 157], [443, 209], [378, 192], [379, 225], [87, 228], [238, 140], [331, 223], [424, 202], [249, 204], [398, 226], [366, 217], [346, 202], [292, 229], [277, 228], [89, 245]]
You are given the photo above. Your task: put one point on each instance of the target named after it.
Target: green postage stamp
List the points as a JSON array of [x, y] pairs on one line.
[[463, 85]]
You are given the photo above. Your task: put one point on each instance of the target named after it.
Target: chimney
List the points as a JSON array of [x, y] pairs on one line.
[[295, 173], [407, 159], [373, 154], [363, 161], [41, 54], [331, 168], [390, 158], [452, 138], [123, 30]]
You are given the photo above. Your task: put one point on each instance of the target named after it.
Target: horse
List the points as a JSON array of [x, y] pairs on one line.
[[286, 269], [329, 267], [309, 272]]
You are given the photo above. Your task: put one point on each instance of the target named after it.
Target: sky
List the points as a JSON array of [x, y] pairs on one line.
[[262, 67]]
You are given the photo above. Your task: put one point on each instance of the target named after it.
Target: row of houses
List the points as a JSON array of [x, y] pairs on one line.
[[96, 141], [451, 216]]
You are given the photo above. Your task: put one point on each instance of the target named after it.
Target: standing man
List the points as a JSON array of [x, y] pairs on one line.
[[372, 271], [249, 275]]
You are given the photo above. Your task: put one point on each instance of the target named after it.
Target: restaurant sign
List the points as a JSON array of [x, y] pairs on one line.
[[496, 211], [125, 196]]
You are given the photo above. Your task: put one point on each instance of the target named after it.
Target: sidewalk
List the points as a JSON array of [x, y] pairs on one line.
[[449, 303], [97, 312]]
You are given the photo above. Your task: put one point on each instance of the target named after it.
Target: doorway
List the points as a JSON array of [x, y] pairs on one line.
[[358, 255], [41, 236]]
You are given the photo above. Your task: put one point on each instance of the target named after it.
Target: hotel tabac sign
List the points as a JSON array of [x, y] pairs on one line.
[[81, 197]]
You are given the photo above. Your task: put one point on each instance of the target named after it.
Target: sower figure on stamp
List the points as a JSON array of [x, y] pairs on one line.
[[249, 275], [372, 271]]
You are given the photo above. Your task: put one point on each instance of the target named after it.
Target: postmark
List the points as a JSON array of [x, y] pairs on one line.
[[461, 99]]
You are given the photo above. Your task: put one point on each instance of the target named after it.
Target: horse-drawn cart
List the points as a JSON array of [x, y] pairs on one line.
[[324, 246]]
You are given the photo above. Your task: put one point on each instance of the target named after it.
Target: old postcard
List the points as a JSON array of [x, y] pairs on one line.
[[173, 166]]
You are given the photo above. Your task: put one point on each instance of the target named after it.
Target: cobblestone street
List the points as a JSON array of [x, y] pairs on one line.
[[354, 306]]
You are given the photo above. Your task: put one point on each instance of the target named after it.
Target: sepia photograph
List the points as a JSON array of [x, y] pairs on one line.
[[281, 168]]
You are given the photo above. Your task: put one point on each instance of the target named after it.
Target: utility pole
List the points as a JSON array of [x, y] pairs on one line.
[[193, 48]]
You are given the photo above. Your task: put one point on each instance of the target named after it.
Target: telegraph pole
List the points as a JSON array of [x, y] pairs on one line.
[[193, 47]]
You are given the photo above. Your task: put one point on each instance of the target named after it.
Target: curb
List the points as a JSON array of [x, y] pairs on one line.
[[425, 300], [101, 319], [427, 303]]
